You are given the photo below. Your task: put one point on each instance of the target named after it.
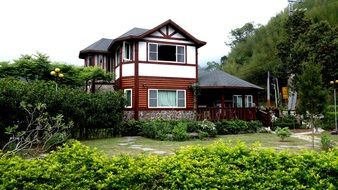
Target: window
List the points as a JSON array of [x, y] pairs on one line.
[[153, 52], [128, 94], [180, 53], [90, 61], [166, 98], [248, 101], [127, 51], [164, 52], [237, 101], [117, 56]]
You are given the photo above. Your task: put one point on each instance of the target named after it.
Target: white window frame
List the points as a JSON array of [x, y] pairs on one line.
[[176, 90], [131, 97], [176, 53], [234, 103], [247, 103], [156, 52], [125, 56]]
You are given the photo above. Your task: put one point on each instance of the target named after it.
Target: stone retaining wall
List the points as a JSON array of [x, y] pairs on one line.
[[162, 114]]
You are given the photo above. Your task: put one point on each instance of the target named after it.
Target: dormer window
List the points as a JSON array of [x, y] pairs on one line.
[[165, 52]]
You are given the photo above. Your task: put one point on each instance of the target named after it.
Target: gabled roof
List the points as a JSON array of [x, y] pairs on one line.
[[101, 46], [220, 79], [104, 44], [139, 33]]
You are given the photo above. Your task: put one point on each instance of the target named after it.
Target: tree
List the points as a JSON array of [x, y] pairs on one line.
[[212, 66], [240, 34], [313, 96]]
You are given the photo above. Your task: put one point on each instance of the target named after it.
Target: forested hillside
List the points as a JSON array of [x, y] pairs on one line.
[[277, 46]]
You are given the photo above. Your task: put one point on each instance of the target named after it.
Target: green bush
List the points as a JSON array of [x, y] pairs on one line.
[[208, 127], [217, 166], [327, 123], [226, 127], [100, 110], [286, 121], [283, 133], [131, 128], [326, 142], [180, 132]]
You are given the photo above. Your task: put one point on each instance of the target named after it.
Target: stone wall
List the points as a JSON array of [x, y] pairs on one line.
[[128, 115], [167, 114], [162, 114]]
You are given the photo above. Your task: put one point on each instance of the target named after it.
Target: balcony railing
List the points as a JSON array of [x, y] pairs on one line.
[[216, 113]]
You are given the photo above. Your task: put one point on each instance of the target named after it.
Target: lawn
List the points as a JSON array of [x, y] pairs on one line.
[[137, 145]]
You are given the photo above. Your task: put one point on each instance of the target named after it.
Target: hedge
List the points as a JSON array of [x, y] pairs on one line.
[[218, 166], [87, 111]]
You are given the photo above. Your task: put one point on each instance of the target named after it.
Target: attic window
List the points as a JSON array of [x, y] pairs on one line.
[[165, 52]]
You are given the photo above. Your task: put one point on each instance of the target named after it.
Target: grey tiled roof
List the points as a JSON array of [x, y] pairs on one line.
[[101, 45], [134, 32], [220, 79]]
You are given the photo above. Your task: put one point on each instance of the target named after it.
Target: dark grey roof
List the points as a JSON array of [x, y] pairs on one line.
[[220, 79], [101, 45], [134, 32]]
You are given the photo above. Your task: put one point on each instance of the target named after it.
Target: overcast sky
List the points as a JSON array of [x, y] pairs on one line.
[[61, 28]]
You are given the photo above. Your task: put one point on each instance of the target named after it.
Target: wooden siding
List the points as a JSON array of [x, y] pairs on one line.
[[146, 83]]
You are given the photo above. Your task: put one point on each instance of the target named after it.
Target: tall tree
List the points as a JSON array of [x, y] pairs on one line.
[[313, 96]]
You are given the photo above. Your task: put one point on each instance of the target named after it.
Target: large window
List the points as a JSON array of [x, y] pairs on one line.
[[128, 95], [164, 52], [166, 98]]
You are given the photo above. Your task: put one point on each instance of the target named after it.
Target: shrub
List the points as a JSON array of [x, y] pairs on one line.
[[217, 166], [130, 128], [327, 123], [283, 133], [326, 142], [180, 132], [100, 110], [207, 127], [289, 121], [225, 127]]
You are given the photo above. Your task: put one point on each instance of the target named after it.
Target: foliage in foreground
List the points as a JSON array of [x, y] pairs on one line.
[[219, 166]]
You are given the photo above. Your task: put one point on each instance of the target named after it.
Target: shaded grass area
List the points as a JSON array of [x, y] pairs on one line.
[[112, 146]]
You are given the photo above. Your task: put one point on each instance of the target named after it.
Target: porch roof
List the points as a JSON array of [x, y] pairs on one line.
[[220, 79]]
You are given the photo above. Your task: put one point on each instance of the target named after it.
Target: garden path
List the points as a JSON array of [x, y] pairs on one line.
[[129, 142]]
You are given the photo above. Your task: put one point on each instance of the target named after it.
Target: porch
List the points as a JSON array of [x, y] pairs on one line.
[[223, 96], [216, 113]]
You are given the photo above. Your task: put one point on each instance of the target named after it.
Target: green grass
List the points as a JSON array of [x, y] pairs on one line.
[[112, 146]]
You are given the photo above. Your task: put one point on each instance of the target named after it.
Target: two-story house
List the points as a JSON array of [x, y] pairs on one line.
[[157, 69]]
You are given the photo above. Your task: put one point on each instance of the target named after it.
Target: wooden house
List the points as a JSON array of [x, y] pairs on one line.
[[157, 69]]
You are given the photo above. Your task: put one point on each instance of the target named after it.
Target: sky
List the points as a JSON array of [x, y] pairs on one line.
[[61, 28]]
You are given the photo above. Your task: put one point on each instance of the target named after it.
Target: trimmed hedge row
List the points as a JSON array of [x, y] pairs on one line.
[[218, 166]]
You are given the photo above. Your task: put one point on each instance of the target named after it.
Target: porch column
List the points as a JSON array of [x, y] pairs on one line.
[[243, 111], [222, 106]]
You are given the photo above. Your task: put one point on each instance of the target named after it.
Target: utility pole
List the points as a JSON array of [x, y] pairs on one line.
[[268, 90]]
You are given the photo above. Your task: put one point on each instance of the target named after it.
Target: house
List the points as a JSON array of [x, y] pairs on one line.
[[158, 71], [223, 96]]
